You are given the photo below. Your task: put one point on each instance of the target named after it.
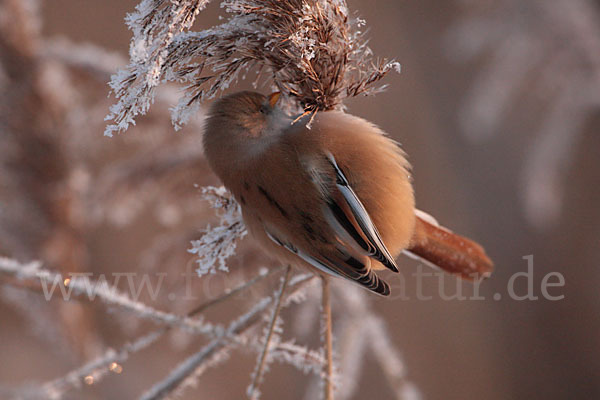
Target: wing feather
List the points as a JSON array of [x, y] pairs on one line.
[[342, 265], [354, 219]]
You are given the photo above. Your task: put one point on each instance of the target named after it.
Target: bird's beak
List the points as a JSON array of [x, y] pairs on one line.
[[273, 98]]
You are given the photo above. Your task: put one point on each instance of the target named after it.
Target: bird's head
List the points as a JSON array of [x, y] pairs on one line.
[[243, 125], [249, 115]]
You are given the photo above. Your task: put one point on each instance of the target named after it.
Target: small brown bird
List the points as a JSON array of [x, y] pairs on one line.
[[336, 196]]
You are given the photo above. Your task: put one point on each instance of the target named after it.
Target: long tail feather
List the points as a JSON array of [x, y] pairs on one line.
[[451, 252]]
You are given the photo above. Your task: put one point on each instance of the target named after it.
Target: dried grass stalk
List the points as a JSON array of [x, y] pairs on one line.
[[310, 50]]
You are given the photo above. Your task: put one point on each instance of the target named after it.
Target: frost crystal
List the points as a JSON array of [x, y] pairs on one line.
[[219, 243], [310, 50]]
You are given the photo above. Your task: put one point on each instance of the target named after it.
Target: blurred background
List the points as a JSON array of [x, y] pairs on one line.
[[497, 107]]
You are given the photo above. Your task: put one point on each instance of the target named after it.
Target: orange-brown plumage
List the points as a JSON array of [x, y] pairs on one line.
[[336, 196]]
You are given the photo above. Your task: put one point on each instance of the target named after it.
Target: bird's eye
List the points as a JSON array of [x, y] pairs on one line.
[[263, 109]]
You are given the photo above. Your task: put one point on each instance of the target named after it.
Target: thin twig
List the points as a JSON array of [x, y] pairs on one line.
[[99, 366], [328, 390], [233, 292], [180, 373], [231, 336], [260, 365], [83, 286]]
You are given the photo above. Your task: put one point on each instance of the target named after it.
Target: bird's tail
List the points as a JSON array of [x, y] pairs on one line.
[[453, 253]]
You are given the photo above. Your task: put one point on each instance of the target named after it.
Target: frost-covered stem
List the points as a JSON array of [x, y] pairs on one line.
[[374, 339], [388, 358], [328, 376], [179, 374], [85, 287], [99, 366], [233, 292], [253, 392], [230, 337]]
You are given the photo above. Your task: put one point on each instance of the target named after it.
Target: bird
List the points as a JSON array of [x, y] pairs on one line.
[[328, 191]]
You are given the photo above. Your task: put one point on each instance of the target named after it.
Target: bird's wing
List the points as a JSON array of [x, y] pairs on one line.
[[351, 221], [338, 263]]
